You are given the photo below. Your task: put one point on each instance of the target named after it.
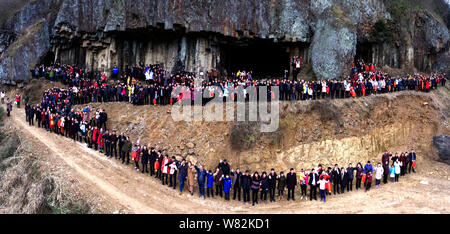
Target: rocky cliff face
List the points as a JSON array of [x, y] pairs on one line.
[[195, 34]]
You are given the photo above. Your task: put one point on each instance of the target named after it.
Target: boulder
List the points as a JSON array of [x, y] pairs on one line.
[[442, 144]]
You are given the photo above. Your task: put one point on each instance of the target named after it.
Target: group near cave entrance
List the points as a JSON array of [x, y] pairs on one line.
[[151, 84]]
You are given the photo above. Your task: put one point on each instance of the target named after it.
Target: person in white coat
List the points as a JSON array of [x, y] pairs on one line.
[[165, 170], [379, 171], [173, 167], [397, 166], [2, 96]]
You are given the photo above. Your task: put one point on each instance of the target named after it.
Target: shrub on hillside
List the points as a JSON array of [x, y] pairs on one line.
[[244, 134], [327, 111]]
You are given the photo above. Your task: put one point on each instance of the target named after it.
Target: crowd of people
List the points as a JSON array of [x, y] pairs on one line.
[[223, 180], [85, 126], [88, 125], [56, 114], [152, 85]]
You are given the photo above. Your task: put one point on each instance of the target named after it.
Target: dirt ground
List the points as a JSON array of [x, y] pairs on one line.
[[111, 187]]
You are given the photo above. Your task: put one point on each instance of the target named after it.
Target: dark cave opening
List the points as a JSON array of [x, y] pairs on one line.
[[264, 58], [364, 52], [48, 58]]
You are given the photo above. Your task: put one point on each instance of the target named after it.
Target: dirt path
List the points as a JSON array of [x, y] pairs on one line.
[[134, 192]]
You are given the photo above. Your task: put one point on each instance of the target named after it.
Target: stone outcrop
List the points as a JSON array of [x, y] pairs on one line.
[[23, 53], [442, 144], [195, 34]]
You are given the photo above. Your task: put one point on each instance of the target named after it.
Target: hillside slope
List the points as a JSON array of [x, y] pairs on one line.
[[113, 187], [327, 132]]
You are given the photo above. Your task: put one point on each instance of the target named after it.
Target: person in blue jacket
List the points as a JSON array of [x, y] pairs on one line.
[[115, 72], [412, 158], [227, 185], [201, 179], [367, 168], [210, 183]]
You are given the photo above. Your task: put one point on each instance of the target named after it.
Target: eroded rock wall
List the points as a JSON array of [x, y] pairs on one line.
[[91, 33]]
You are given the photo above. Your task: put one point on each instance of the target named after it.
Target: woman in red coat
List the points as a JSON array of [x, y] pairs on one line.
[[94, 137], [100, 140]]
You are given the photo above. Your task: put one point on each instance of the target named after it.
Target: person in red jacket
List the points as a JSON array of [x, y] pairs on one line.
[[18, 100], [100, 140], [369, 180], [94, 137]]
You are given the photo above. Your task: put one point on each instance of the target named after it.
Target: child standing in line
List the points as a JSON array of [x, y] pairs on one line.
[[368, 180], [209, 183], [227, 184], [322, 182], [392, 172], [397, 166], [378, 174]]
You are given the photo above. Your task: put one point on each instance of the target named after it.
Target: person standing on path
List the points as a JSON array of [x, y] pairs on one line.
[[8, 107], [379, 172], [291, 180], [412, 161], [256, 184], [237, 177], [190, 178], [201, 179], [313, 179], [246, 185], [182, 173], [2, 96], [272, 184], [18, 101]]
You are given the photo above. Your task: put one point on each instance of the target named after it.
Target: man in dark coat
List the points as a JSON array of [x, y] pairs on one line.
[[246, 182], [403, 167], [411, 159], [344, 179], [103, 119], [385, 158], [152, 159], [144, 160], [113, 144], [336, 176], [225, 167], [160, 159], [350, 176], [107, 143], [218, 181], [313, 179], [291, 181], [237, 177], [385, 171], [272, 184], [182, 172], [126, 149], [120, 141]]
